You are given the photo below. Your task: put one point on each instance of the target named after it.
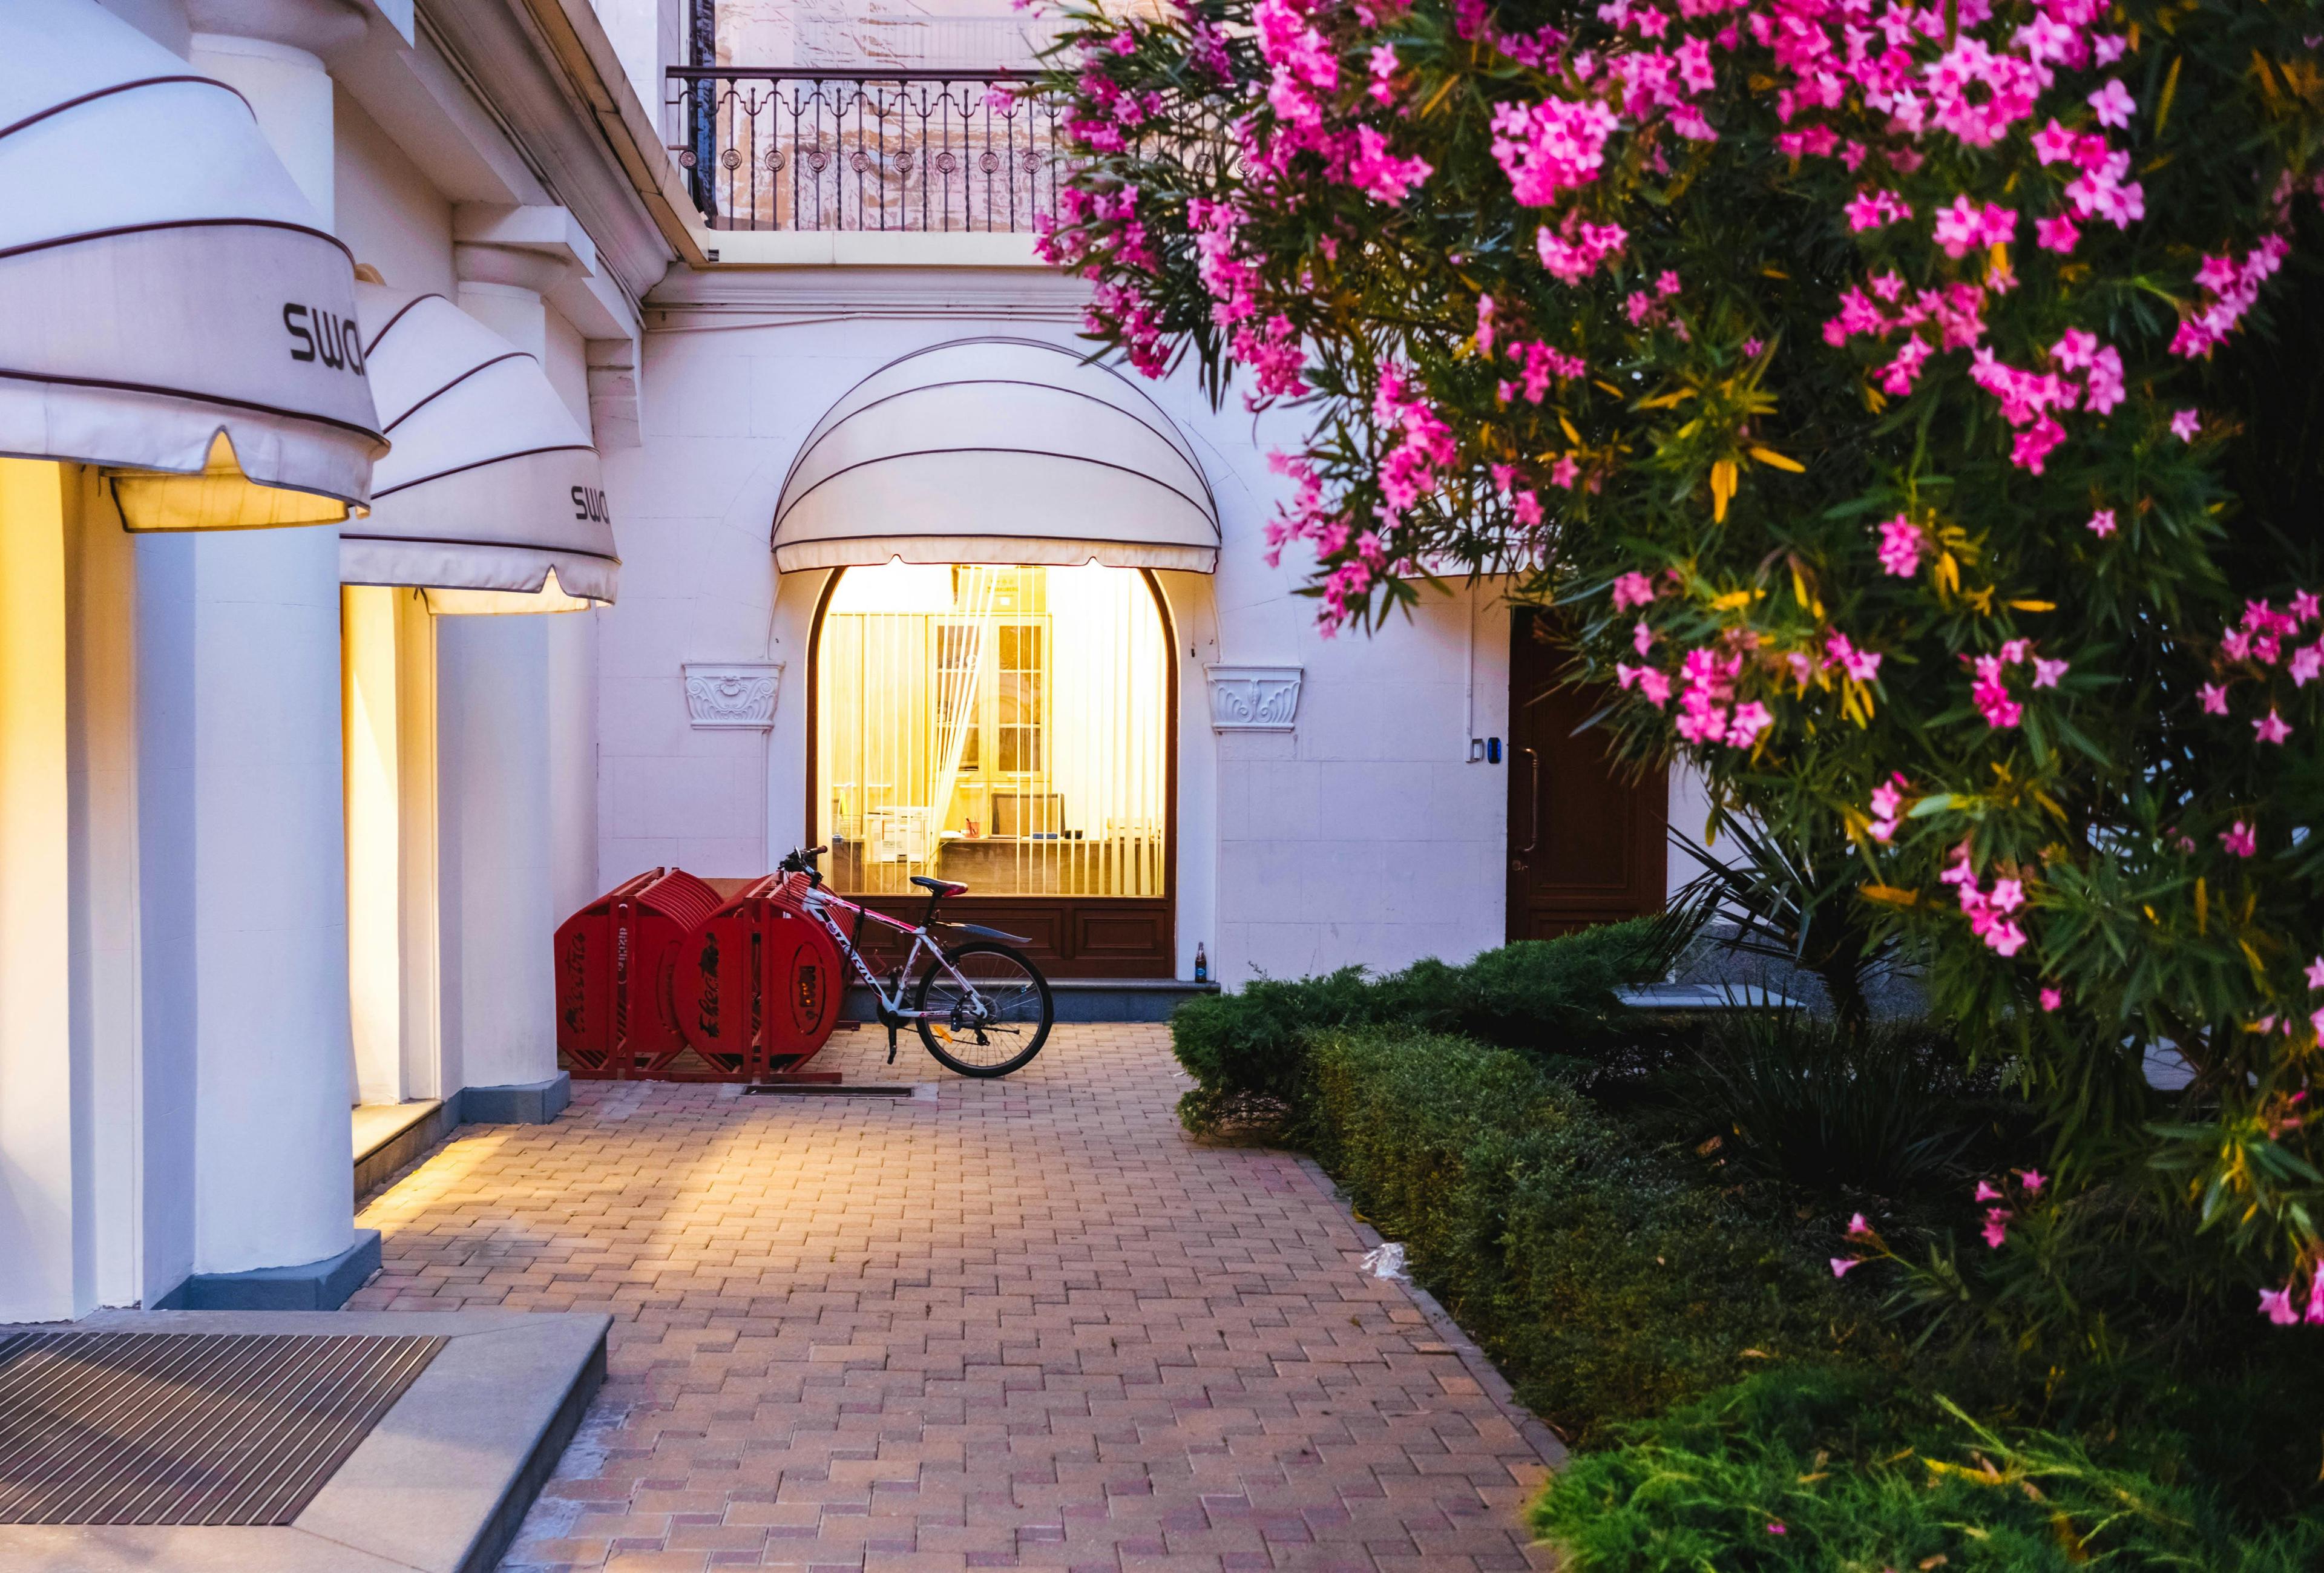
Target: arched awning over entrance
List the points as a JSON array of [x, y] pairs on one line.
[[492, 498], [996, 451], [174, 312]]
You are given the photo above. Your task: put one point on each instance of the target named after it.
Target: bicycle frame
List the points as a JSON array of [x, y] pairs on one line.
[[818, 902]]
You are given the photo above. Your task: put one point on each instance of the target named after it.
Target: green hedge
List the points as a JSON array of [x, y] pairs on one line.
[[1817, 1470], [1604, 1282], [1549, 996]]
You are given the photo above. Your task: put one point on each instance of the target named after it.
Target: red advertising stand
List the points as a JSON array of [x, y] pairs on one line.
[[613, 960], [756, 989]]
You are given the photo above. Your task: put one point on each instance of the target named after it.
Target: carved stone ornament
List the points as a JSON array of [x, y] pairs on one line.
[[732, 693], [1254, 698]]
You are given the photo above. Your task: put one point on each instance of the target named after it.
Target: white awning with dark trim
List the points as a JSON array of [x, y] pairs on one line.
[[173, 313], [997, 452], [491, 499]]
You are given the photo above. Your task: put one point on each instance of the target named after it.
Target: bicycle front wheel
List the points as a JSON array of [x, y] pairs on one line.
[[992, 1010]]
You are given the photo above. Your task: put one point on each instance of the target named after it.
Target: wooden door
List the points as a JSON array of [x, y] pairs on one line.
[[1586, 840]]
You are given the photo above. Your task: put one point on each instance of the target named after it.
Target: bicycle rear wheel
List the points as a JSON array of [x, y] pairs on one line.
[[992, 1019]]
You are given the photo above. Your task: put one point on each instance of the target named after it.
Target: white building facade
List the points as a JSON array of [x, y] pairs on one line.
[[686, 504]]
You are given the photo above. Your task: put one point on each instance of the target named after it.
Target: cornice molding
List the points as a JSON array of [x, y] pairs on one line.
[[732, 298], [545, 64]]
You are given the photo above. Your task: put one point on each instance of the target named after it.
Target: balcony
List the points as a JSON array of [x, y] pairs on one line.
[[916, 153]]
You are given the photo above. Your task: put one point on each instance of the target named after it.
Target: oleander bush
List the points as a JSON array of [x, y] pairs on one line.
[[1607, 1280], [1911, 409], [1549, 996], [1831, 1470]]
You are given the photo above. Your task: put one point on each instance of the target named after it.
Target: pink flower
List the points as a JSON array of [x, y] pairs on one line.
[[2275, 1304], [1858, 1228], [1996, 1227], [2185, 424], [1964, 227], [1750, 720], [2046, 672], [1871, 209], [2057, 233], [1900, 544], [2114, 104], [1642, 638], [2215, 699], [1986, 1192], [2315, 1294], [2102, 522], [1862, 665], [2271, 727], [2052, 999], [1633, 589], [1841, 1266], [1776, 1528], [2032, 1180], [2240, 839]]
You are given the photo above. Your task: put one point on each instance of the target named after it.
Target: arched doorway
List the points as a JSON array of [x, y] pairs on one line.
[[992, 686], [1010, 727]]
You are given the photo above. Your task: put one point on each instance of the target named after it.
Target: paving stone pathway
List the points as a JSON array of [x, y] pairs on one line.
[[1016, 1324]]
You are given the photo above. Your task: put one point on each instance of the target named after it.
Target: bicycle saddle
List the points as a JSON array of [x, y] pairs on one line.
[[942, 887]]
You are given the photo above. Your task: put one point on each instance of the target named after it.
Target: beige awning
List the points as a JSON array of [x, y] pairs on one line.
[[493, 499], [996, 450], [173, 312]]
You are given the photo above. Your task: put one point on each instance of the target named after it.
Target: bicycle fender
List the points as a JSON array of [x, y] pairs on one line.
[[979, 931]]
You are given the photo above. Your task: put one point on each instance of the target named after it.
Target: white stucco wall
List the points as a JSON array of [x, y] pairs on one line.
[[389, 213], [1364, 835]]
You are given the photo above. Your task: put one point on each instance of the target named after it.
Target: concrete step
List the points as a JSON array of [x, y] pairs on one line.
[[1084, 999]]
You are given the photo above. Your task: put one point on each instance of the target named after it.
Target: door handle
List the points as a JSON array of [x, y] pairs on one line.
[[1533, 803]]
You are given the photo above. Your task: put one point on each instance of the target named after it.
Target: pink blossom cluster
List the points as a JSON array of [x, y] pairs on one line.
[[2263, 633], [2231, 289], [1872, 208], [1988, 910], [1887, 807], [2089, 373], [1551, 147], [1571, 251], [1538, 363], [2275, 1304], [1706, 689], [1997, 1213], [1424, 444], [1990, 691], [1524, 505], [1902, 542]]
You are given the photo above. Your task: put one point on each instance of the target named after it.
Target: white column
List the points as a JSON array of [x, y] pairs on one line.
[[243, 844], [243, 862], [36, 1101], [516, 733], [498, 907]]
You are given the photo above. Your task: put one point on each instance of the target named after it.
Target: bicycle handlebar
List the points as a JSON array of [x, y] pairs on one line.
[[801, 860]]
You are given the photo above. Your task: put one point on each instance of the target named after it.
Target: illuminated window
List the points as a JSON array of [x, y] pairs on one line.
[[1007, 727]]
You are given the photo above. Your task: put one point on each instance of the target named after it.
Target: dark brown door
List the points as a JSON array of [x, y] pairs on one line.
[[1586, 837]]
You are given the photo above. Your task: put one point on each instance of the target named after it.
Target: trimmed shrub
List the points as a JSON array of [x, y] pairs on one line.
[[1822, 1470], [1602, 1279], [1549, 996]]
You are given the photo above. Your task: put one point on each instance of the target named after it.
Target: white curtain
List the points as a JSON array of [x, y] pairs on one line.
[[960, 683]]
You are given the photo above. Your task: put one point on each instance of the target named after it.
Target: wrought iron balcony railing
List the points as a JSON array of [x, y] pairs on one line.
[[898, 151]]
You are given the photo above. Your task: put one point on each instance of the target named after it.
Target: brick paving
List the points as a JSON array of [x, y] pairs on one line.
[[1016, 1324]]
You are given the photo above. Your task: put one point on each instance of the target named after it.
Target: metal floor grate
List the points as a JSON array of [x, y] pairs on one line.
[[187, 1428]]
